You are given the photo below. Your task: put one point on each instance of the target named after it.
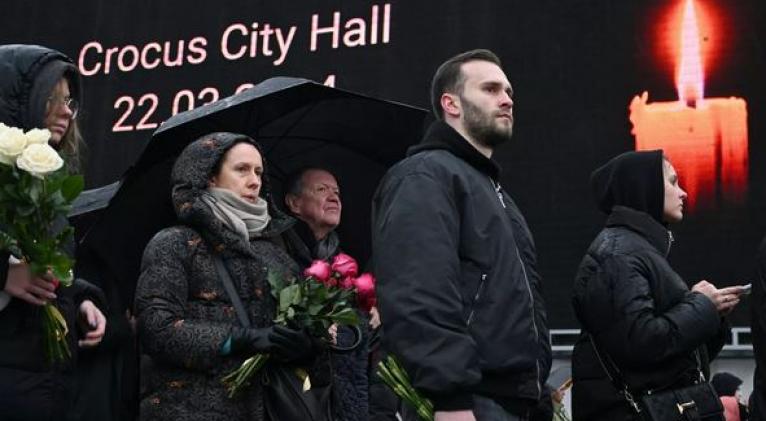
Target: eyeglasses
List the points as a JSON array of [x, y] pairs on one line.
[[70, 103]]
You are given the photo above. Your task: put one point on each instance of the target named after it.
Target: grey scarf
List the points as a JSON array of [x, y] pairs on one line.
[[240, 216]]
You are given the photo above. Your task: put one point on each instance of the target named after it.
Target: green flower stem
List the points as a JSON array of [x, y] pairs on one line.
[[394, 376], [55, 329], [240, 378]]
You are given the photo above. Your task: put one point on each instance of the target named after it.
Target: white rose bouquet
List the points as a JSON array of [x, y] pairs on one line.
[[35, 191]]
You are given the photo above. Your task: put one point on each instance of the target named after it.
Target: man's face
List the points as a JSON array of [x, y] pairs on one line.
[[319, 202], [487, 107]]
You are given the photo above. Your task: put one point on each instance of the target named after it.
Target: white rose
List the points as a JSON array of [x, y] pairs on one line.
[[39, 160], [12, 144], [38, 136]]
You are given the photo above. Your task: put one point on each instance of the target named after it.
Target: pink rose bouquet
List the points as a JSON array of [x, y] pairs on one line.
[[323, 297]]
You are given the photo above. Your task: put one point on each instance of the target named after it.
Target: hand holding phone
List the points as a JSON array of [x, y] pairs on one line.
[[746, 289]]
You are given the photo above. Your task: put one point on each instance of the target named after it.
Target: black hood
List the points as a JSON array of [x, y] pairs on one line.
[[28, 74], [442, 136], [725, 384], [632, 179]]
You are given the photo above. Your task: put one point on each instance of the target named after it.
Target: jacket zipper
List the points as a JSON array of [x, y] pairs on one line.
[[476, 299], [499, 193], [534, 322], [670, 242]]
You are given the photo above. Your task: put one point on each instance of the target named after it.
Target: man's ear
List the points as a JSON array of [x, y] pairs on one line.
[[451, 104], [212, 182], [292, 203]]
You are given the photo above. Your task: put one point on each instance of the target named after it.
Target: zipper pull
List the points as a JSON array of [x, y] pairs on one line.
[[670, 241], [498, 191]]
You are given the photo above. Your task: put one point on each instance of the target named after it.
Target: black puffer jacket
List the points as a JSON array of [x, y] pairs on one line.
[[183, 310], [31, 388], [459, 293], [28, 73], [639, 311]]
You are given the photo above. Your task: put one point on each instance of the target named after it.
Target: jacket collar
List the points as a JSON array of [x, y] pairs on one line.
[[442, 136], [643, 224]]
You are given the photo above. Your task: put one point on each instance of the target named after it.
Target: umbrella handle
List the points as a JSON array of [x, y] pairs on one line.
[[345, 349]]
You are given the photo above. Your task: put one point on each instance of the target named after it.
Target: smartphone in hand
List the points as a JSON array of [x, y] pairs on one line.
[[746, 289]]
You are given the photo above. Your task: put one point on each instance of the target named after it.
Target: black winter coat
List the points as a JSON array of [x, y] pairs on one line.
[[31, 388], [641, 315], [184, 313], [459, 293], [350, 380]]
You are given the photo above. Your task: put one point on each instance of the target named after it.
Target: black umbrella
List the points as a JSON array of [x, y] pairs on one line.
[[298, 123]]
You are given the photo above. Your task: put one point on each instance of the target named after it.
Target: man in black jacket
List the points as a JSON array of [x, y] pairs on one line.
[[458, 288]]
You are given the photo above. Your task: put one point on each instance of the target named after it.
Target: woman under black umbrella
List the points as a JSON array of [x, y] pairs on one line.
[[187, 320]]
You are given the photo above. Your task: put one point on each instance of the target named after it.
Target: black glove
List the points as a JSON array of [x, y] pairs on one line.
[[282, 342], [291, 345], [250, 341]]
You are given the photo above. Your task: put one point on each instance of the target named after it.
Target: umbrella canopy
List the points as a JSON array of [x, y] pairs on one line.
[[298, 123]]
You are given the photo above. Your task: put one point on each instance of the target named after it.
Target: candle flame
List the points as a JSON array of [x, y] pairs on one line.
[[690, 83]]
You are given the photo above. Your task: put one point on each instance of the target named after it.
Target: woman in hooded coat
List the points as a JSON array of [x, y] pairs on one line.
[[186, 320], [40, 88], [631, 303]]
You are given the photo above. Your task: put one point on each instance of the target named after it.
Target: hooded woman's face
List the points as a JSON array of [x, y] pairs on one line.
[[59, 111], [241, 172], [674, 194]]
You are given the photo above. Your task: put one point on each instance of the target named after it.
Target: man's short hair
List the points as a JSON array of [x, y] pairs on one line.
[[449, 78], [294, 181]]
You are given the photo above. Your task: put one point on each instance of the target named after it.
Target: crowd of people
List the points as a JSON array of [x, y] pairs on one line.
[[459, 294]]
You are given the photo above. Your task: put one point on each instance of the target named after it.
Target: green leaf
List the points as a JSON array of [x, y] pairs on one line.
[[289, 296], [72, 186], [346, 316], [34, 192], [25, 210], [10, 244], [276, 283], [315, 309]]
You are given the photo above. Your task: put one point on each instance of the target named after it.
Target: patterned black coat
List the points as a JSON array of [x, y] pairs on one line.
[[184, 313]]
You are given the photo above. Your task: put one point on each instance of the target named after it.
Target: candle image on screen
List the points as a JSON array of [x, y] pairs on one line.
[[705, 138]]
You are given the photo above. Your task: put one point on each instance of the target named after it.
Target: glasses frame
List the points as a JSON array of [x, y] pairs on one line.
[[72, 104]]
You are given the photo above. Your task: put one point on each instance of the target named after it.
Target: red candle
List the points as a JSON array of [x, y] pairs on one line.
[[704, 138]]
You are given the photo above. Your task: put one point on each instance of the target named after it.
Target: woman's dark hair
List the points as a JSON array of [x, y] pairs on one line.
[[265, 184], [218, 164]]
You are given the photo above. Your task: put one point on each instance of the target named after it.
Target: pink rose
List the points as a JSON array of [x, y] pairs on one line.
[[319, 270], [345, 265], [365, 285], [347, 282]]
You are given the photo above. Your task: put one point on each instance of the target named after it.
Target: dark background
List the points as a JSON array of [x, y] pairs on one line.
[[575, 66]]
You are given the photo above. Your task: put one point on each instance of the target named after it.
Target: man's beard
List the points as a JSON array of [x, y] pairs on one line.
[[482, 126]]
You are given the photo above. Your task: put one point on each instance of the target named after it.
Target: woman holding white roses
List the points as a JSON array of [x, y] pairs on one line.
[[39, 89]]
